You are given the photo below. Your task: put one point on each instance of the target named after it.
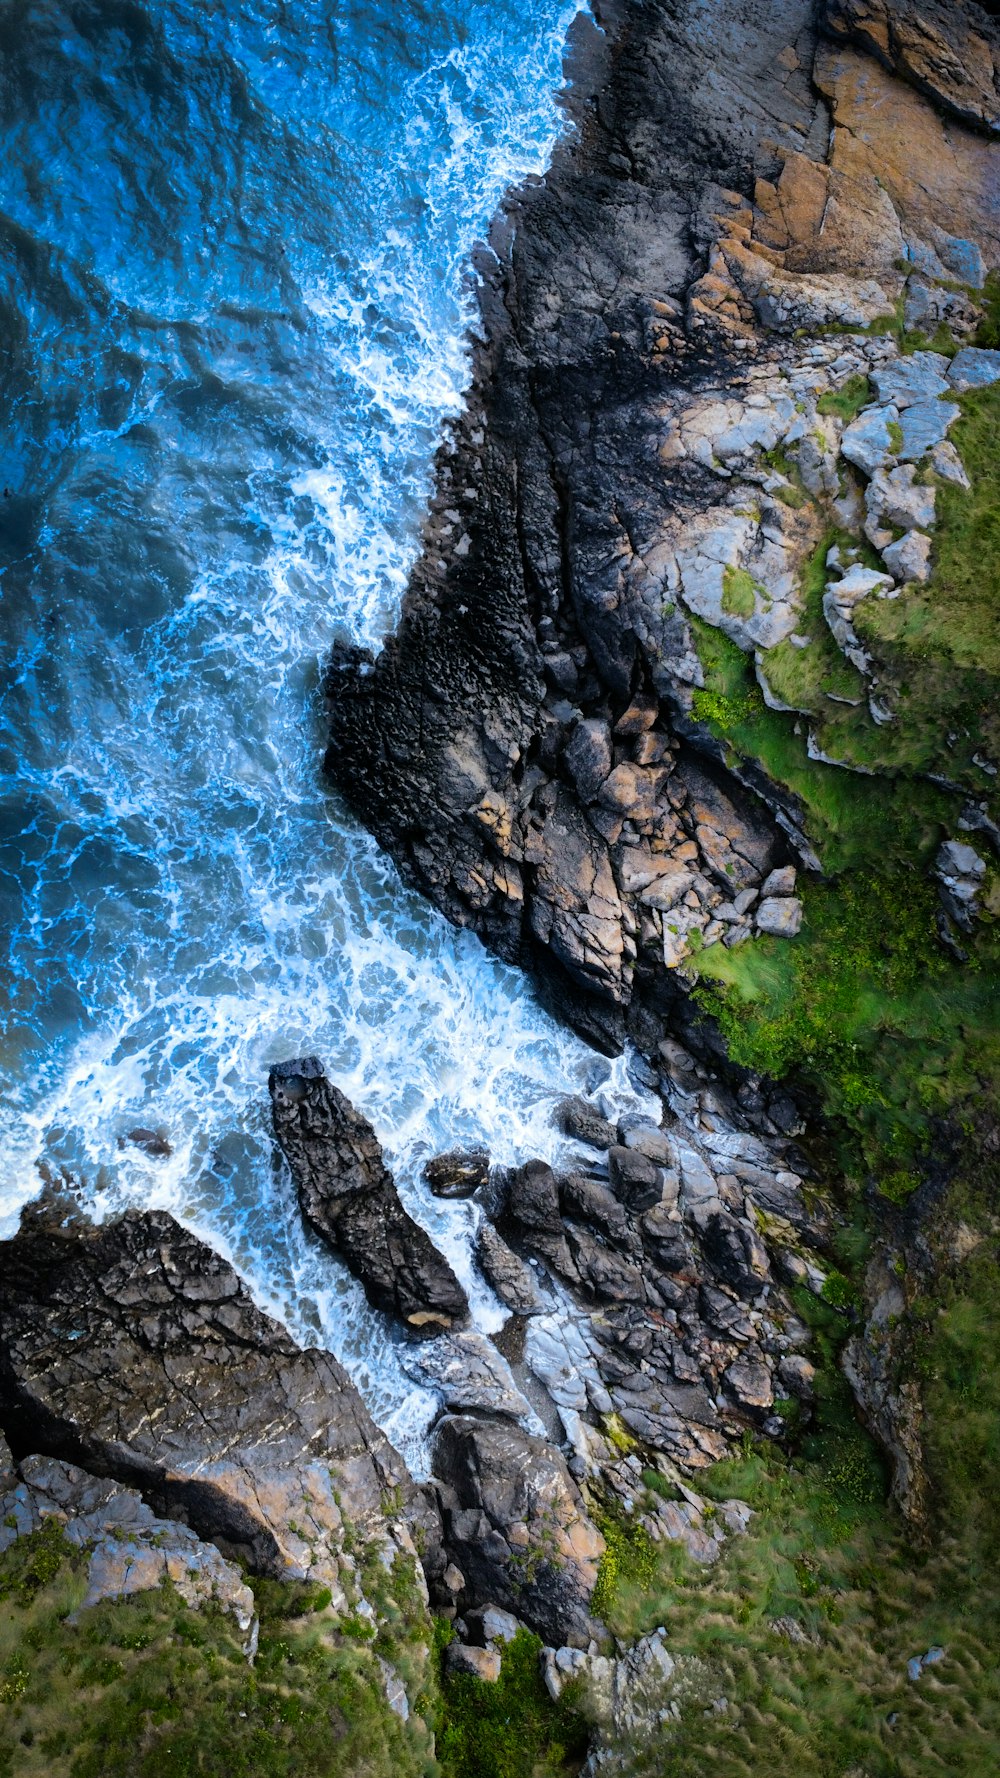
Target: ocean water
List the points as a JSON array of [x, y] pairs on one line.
[[234, 305]]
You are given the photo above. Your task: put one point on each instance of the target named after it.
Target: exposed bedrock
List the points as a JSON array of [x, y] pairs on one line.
[[712, 252], [134, 1351], [349, 1197]]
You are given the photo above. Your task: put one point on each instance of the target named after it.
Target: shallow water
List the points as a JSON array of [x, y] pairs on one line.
[[232, 323]]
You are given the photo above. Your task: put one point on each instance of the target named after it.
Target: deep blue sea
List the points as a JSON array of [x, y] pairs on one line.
[[234, 303]]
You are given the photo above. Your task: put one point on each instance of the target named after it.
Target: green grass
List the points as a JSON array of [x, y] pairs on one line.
[[740, 593], [147, 1688], [846, 402], [510, 1729], [825, 1550]]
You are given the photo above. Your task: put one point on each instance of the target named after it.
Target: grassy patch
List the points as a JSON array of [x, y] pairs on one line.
[[510, 1729], [740, 593], [146, 1688], [825, 1554], [846, 402]]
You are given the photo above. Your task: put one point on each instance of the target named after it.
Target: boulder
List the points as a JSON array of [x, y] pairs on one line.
[[780, 915], [869, 441], [581, 1120], [910, 558], [488, 1624], [907, 381], [515, 1524], [134, 1351], [974, 368], [507, 1273], [468, 1373], [589, 757], [476, 1663], [459, 1173], [349, 1198], [635, 1180]]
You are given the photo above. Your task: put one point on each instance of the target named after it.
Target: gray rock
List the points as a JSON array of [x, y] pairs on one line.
[[479, 1663], [909, 559], [459, 1173], [395, 1690], [560, 1666], [506, 1272], [960, 860], [921, 377], [780, 915], [780, 882], [924, 426], [797, 1374], [749, 1382], [868, 440], [488, 1624], [894, 497], [130, 1550], [349, 1197], [974, 368], [469, 1374], [946, 463]]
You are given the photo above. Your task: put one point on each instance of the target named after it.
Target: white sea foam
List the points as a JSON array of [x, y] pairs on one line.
[[222, 912]]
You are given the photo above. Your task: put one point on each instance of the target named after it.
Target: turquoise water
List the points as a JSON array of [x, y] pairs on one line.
[[233, 311]]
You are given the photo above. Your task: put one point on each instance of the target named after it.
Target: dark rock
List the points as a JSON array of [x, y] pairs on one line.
[[736, 1254], [479, 1663], [603, 1273], [150, 1141], [515, 1524], [458, 1174], [587, 1200], [506, 1272], [349, 1198], [749, 1382], [134, 1351], [533, 1198], [589, 758], [487, 1624], [581, 1120], [635, 1180]]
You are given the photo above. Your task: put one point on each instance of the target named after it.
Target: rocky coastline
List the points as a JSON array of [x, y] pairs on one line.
[[711, 410]]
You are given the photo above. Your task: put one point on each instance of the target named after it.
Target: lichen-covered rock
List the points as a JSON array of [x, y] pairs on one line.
[[349, 1197]]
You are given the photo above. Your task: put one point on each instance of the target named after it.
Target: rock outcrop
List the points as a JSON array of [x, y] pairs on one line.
[[659, 436], [349, 1197], [134, 1352]]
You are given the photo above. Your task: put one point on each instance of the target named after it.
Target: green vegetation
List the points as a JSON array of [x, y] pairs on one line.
[[147, 1688], [740, 593], [824, 1553], [846, 402], [510, 1729]]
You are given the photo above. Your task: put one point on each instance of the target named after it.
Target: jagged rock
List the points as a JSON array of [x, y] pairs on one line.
[[780, 882], [133, 1350], [944, 50], [736, 1254], [590, 1201], [635, 1180], [507, 1273], [581, 1120], [457, 1174], [961, 873], [349, 1198], [480, 1663], [130, 1550], [750, 1384], [924, 427], [895, 497], [515, 1523], [589, 756], [469, 1374], [488, 1624], [797, 1374]]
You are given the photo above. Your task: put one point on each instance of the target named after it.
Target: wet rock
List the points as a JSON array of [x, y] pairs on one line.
[[507, 1273], [459, 1173], [515, 1523], [150, 1141], [590, 1201], [469, 1374], [349, 1198], [635, 1180], [736, 1254], [581, 1120], [134, 1351], [479, 1663]]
